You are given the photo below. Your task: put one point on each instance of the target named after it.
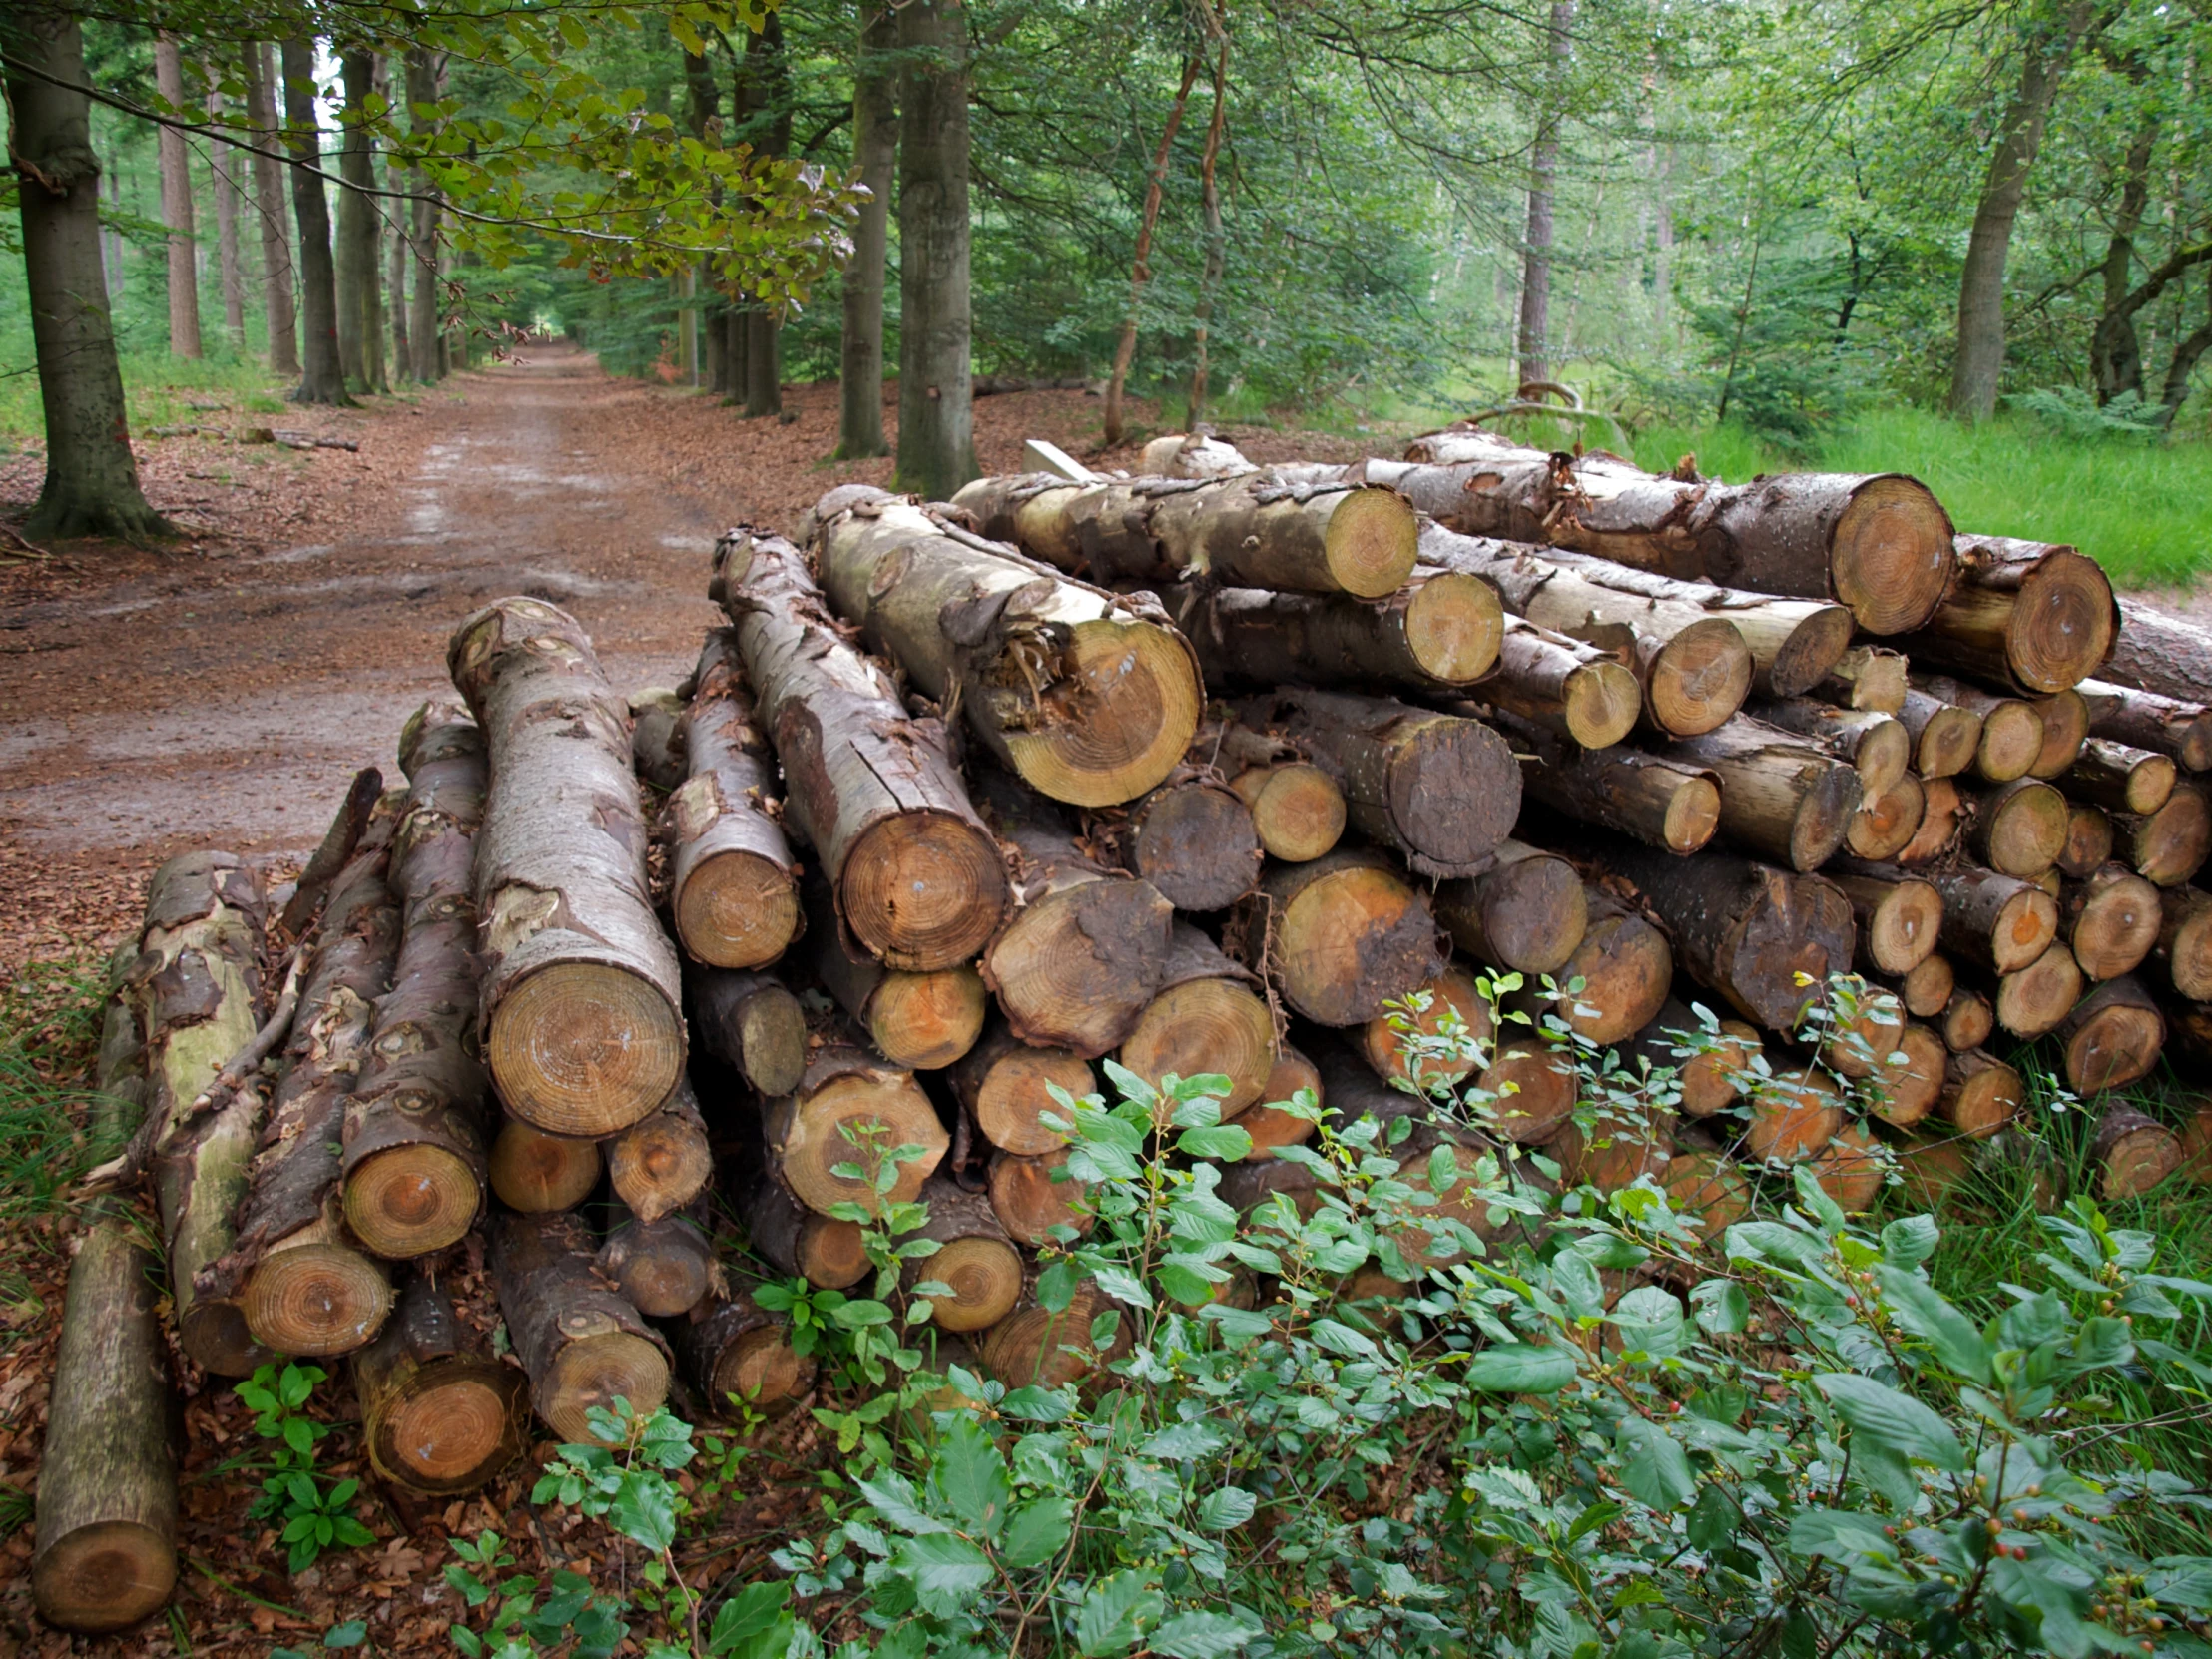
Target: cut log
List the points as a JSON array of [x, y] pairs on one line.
[[735, 1351], [1856, 1034], [1006, 1087], [1324, 535], [2019, 829], [1934, 1168], [1030, 1203], [1191, 455], [1792, 1116], [2011, 740], [851, 1108], [1035, 1346], [1435, 1236], [1441, 631], [656, 736], [2196, 1142], [754, 1025], [1343, 935], [1668, 804], [1084, 696], [1982, 1094], [414, 1128], [1926, 991], [2089, 841], [660, 1164], [1208, 1018], [1905, 1090], [2066, 716], [2161, 654], [2025, 613], [1624, 1143], [1442, 789], [1533, 1086], [1866, 677], [1567, 687], [1419, 1057], [1996, 921], [1194, 839], [2110, 921], [2120, 779], [2168, 846], [1297, 810], [534, 1171], [661, 1267], [1968, 1020], [581, 993], [1781, 798], [1946, 737], [1711, 1069], [1623, 965], [975, 1259], [2150, 721], [580, 1343], [1944, 813], [800, 1243], [1269, 1122], [1707, 1190], [1875, 744], [733, 883], [2135, 1153], [2036, 998], [338, 841], [1082, 954], [1886, 824], [917, 1020], [441, 1415], [2113, 1037], [2183, 953], [1693, 683], [1527, 913], [873, 789], [1852, 1168], [1898, 914]]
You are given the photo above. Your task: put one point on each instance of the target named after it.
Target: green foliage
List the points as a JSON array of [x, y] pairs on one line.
[[2075, 415], [314, 1514]]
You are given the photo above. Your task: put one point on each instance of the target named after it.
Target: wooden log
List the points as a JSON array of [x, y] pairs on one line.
[[873, 789], [1926, 991], [1944, 814], [1206, 1017], [2023, 613], [1711, 1069], [1411, 1049], [660, 1163], [1852, 1168], [2019, 829], [2110, 921], [2121, 779], [1970, 1019], [1854, 1033], [1624, 966], [656, 736], [1982, 1094], [1442, 789], [975, 1259], [2089, 841], [851, 1108], [2167, 847], [1191, 455], [1866, 677], [2196, 1142], [534, 1171], [1527, 913], [581, 1343], [921, 1021], [1945, 736], [1082, 954], [1567, 687], [581, 1003], [1031, 1202], [2035, 999], [1899, 915], [1875, 744], [2135, 1153], [441, 1415], [1780, 798], [2113, 1037], [2066, 716], [1269, 1121], [1794, 1116], [1909, 1079], [1934, 1168], [661, 1267], [1298, 812], [2169, 725], [1435, 1236], [733, 883], [2182, 957], [2011, 740], [1441, 631], [1999, 921], [1086, 697], [753, 1024], [1035, 1346], [798, 1242], [1193, 839], [1532, 1087], [1006, 1087], [1886, 824], [1343, 935], [1624, 1142], [1707, 1190], [415, 1126], [1663, 802], [2160, 653], [733, 1353]]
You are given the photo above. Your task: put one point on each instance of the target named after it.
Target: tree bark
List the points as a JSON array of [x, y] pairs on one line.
[[936, 427], [801, 1243], [1999, 921], [1780, 798], [1216, 241], [2111, 921], [176, 171], [534, 1171], [2010, 741], [225, 168], [1564, 686], [1527, 913], [734, 1346], [1034, 1346], [1886, 824], [2021, 613], [322, 375], [271, 211], [1194, 837], [875, 160], [805, 1130], [425, 338], [2157, 653], [1876, 744], [581, 1006], [360, 329], [2121, 779], [1439, 633], [1088, 699], [2135, 1153], [2182, 957], [660, 1163], [873, 789], [1969, 1020], [581, 1343], [91, 487], [1005, 1086], [975, 1259], [751, 1024], [922, 1022], [1534, 335], [2113, 1037], [1668, 804], [2150, 721], [1206, 1017], [768, 76], [1140, 271], [441, 1415]]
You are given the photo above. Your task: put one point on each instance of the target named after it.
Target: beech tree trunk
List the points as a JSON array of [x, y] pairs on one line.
[[2111, 921], [361, 326], [1527, 913], [1535, 333], [442, 1413], [1141, 267], [768, 86], [581, 1343], [322, 374], [2113, 1037], [660, 1163], [751, 1024], [1668, 804], [222, 164], [1006, 1087], [733, 1348], [874, 159], [2150, 721], [1206, 1017], [2021, 613], [272, 212], [176, 171], [922, 1022], [1780, 798], [936, 431], [1209, 198], [804, 1131], [581, 1003], [1439, 632], [873, 789], [425, 339]]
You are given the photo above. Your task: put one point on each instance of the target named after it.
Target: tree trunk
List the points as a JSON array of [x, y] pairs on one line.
[[1442, 789], [1006, 1087], [225, 168], [359, 327], [1668, 804], [1216, 241], [534, 1171], [2113, 1037], [1297, 810], [1088, 699], [1945, 736], [1780, 798], [1206, 1017], [1867, 677], [2110, 921], [322, 376], [2182, 957], [1194, 837], [1626, 1141], [873, 791], [735, 1349], [846, 1088], [752, 1026], [975, 1259], [425, 337], [2036, 998], [1343, 935], [936, 426], [2149, 720], [392, 84], [1930, 989], [1567, 687], [2020, 613], [2010, 738], [1034, 1346], [1979, 362], [1527, 913], [1029, 1203], [733, 883], [2167, 846], [1886, 824], [660, 1163], [1999, 921], [801, 1243], [1969, 1020], [1876, 744], [1439, 632], [661, 1267], [2088, 840], [656, 738], [2137, 1153], [2121, 779], [441, 1415], [1624, 965], [582, 1345], [176, 171], [1140, 271], [581, 1007], [271, 211], [90, 486], [2156, 653], [1898, 914], [875, 160], [922, 1022], [769, 105], [2019, 829], [1534, 337]]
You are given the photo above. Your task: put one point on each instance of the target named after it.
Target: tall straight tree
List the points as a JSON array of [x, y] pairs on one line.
[[271, 212], [225, 162], [322, 376], [936, 412], [703, 98], [1140, 268], [359, 284], [424, 68], [874, 155], [91, 484], [175, 168], [770, 75], [1216, 241], [1533, 345]]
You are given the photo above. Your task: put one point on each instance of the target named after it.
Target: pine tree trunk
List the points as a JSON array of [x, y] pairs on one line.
[[1944, 737], [581, 1343], [1796, 1118], [1206, 1017], [440, 1413], [2121, 779], [1712, 1068], [2021, 613], [1780, 798], [874, 161], [1194, 837], [1035, 1346], [1141, 265], [2157, 653], [1439, 633], [1567, 687], [1527, 913], [2065, 718], [1878, 746], [2019, 829], [804, 1131], [1343, 935], [1886, 824], [2150, 721], [752, 1026], [2036, 998], [322, 377], [534, 1171], [1867, 677], [2182, 957], [1668, 804], [2112, 1037], [1942, 819], [936, 428], [1997, 920], [1982, 1094], [1029, 1203], [1899, 915], [272, 212], [1969, 1020], [975, 1259], [798, 1242], [922, 1022], [1625, 967], [2168, 846], [1449, 996], [2137, 1153], [1707, 1188], [176, 171]]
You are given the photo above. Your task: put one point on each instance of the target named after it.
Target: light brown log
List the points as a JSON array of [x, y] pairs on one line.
[[1622, 1144], [1191, 455], [1946, 737], [2113, 1037], [1711, 1067], [1693, 683], [917, 1020], [1898, 914], [1932, 1168], [582, 1345], [1707, 1190], [1665, 803], [1206, 1018], [2120, 779], [1194, 839], [1852, 1168], [1268, 1121], [1866, 677], [2036, 998], [2088, 840], [2011, 740], [2168, 846], [800, 1243], [1624, 966], [2065, 729], [661, 1267], [581, 992], [1417, 1057], [975, 1259], [2182, 957], [1533, 1087], [1858, 1033], [1431, 1239], [2111, 920], [441, 1415], [1527, 913], [2135, 1153], [1796, 1113], [1968, 1020], [1442, 789], [1035, 1346], [1006, 1086], [1886, 824], [1905, 1090], [1943, 821], [2160, 653], [2149, 720], [2019, 829], [1345, 934], [733, 1348], [1875, 744], [660, 1164], [1781, 798], [873, 789], [1030, 1203], [533, 1172], [1982, 1094], [1926, 991], [1086, 697], [1297, 810], [733, 883], [1567, 687], [2030, 613], [1999, 921], [1441, 631], [851, 1108], [2196, 1142], [752, 1023]]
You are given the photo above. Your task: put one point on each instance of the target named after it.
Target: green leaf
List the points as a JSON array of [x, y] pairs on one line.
[[1056, 1285], [753, 1613], [1908, 1241], [1113, 1613], [643, 1511], [1723, 1307], [352, 1634], [1774, 1241], [1226, 1508], [1036, 1532], [1520, 1368], [1654, 1468], [1180, 1442], [946, 1572], [1950, 1335], [897, 1503], [1712, 1520], [1842, 1535], [971, 1478], [1197, 1635], [1892, 1419], [1342, 1338], [1228, 1143], [1650, 1320]]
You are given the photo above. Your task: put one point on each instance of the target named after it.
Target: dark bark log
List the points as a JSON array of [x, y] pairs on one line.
[[442, 1413], [1780, 798], [2012, 738], [753, 1024], [582, 1345], [733, 883], [1439, 632], [873, 791], [800, 1243], [936, 433], [874, 159], [2157, 653], [733, 1348], [2121, 779], [2113, 1037], [975, 1259], [223, 163], [1671, 804], [582, 992], [1527, 913], [335, 849], [2147, 719], [2168, 846], [322, 376], [271, 211], [1876, 744], [661, 1267], [2020, 613], [660, 1163], [1206, 1017], [534, 1171], [848, 1089], [1194, 839], [2019, 829], [1343, 935], [2089, 841], [2182, 957], [1031, 1202], [1997, 920], [2137, 1153], [1898, 914], [2110, 921], [1946, 737]]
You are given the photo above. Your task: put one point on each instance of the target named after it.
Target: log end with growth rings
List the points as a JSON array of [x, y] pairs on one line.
[[2062, 622], [581, 1047], [408, 1201], [316, 1298], [924, 891], [452, 1427], [1891, 557], [1809, 653], [1016, 1093], [1699, 678], [1201, 1026], [738, 910], [597, 1365], [1453, 623], [762, 1368], [1296, 810], [927, 1020], [1372, 541], [1601, 703], [1117, 718], [104, 1577]]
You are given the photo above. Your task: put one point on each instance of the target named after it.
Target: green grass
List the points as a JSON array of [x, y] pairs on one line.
[[157, 389]]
